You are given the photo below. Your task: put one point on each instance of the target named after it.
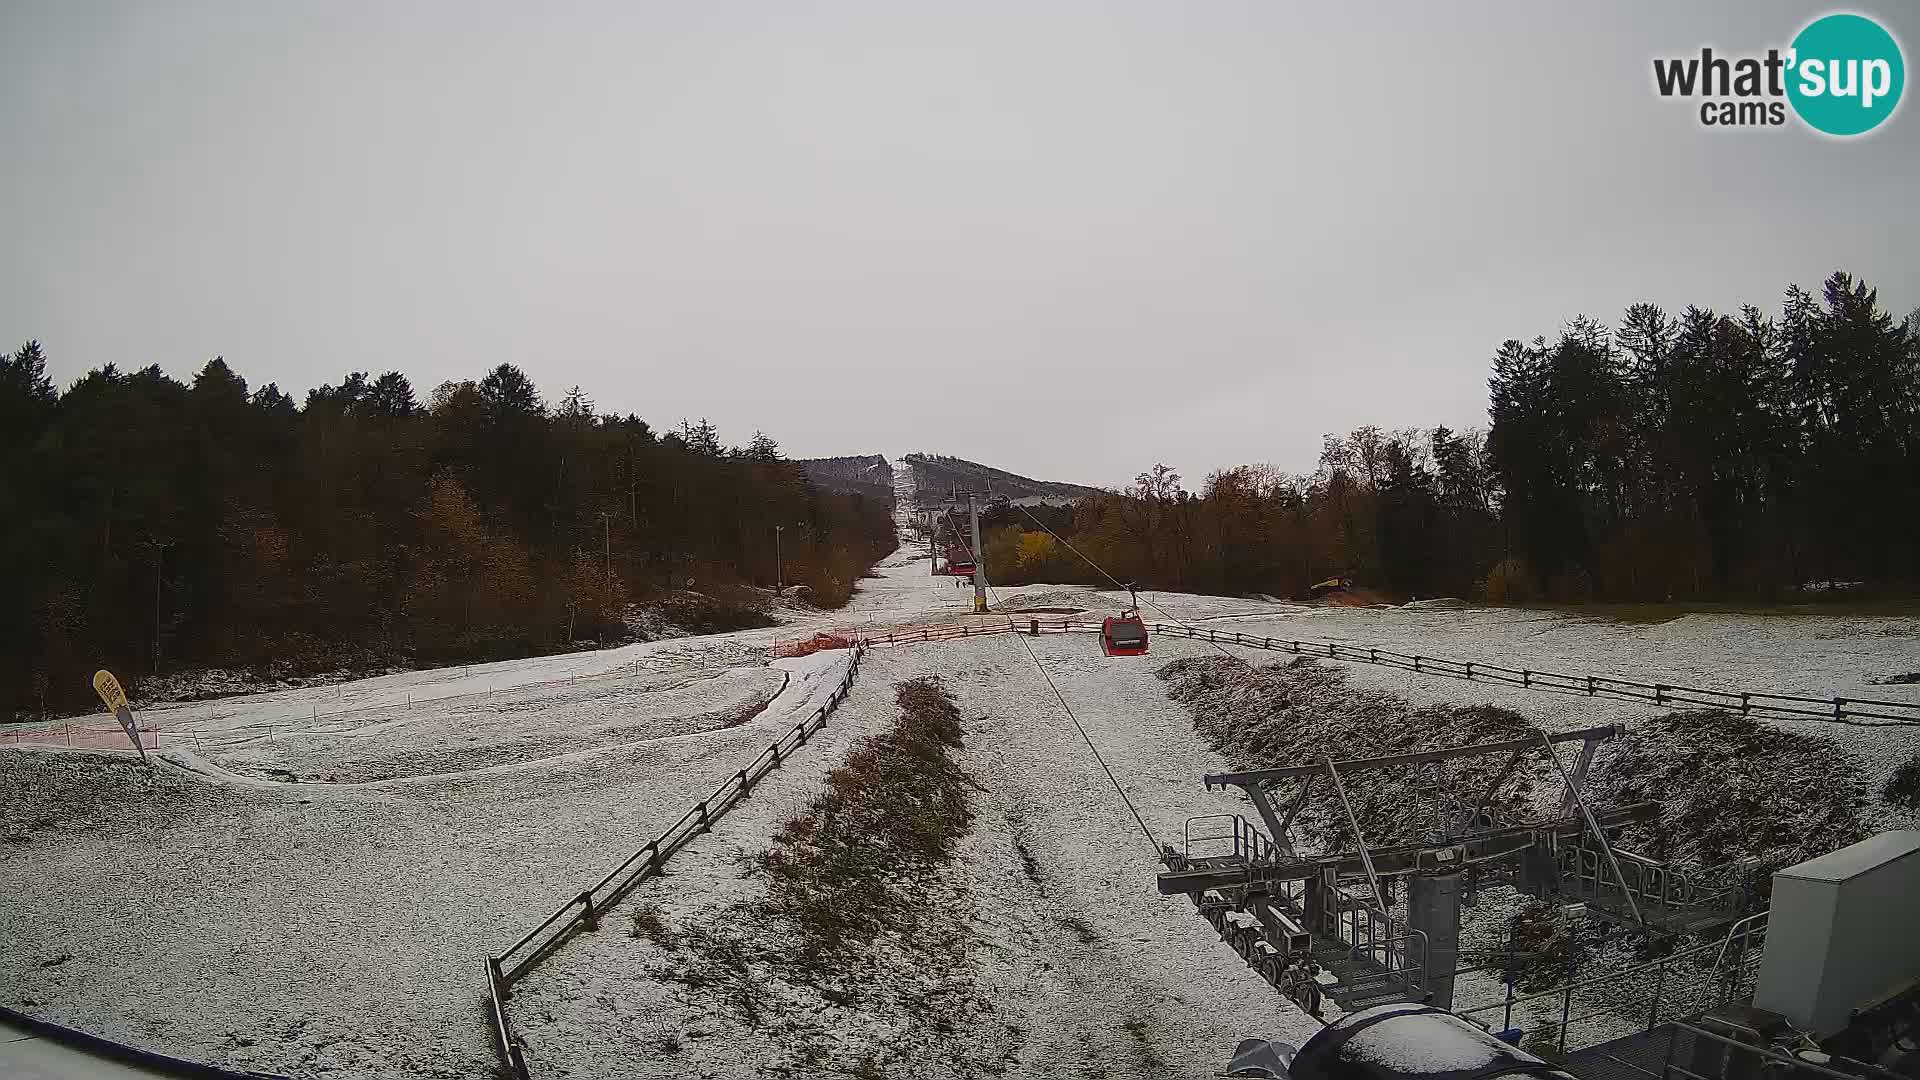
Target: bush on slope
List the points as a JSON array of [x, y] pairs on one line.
[[1730, 788]]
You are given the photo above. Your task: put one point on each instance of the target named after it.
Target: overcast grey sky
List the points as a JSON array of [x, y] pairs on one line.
[[1069, 239]]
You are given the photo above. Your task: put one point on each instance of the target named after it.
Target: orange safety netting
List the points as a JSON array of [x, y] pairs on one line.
[[814, 644]]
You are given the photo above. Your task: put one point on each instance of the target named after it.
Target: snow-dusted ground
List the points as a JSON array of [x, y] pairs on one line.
[[1087, 966], [335, 925], [332, 928], [1815, 656]]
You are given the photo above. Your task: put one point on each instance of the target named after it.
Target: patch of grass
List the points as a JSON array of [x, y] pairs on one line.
[[664, 1038], [896, 806], [650, 923], [1149, 1056], [1080, 928], [1029, 864], [720, 960], [1903, 787]]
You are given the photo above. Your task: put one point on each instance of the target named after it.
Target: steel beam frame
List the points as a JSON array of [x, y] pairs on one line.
[[1413, 858], [1256, 776]]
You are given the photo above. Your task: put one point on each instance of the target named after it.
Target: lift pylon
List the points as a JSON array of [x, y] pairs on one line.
[[1294, 915]]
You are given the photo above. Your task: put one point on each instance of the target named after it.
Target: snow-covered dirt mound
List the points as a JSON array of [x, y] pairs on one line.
[[332, 929], [524, 724]]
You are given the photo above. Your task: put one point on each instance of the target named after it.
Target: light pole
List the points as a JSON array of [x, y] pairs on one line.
[[979, 560], [159, 561], [779, 569], [606, 525]]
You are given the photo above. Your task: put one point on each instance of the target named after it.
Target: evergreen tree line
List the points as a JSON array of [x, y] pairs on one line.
[[149, 525], [1696, 456]]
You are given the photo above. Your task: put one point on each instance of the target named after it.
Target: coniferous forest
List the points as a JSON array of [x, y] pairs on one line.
[[1689, 456], [149, 524]]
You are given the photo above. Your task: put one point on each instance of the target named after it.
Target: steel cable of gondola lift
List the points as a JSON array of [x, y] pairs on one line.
[[1168, 615], [1067, 708], [1124, 634]]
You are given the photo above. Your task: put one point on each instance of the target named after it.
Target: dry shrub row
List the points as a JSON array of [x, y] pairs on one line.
[[895, 807], [1299, 711], [1730, 788], [1733, 789]]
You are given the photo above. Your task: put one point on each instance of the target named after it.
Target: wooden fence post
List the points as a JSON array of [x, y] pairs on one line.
[[500, 984]]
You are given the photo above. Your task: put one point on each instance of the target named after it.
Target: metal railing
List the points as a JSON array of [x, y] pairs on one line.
[[1396, 951], [1865, 712], [1744, 702], [1249, 844], [1619, 1003], [1726, 1057], [585, 909], [1586, 874]]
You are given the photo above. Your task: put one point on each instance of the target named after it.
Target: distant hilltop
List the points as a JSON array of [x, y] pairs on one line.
[[867, 474], [936, 474]]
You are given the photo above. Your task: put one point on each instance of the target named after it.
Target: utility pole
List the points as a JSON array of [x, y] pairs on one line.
[[979, 560], [779, 568], [606, 526], [159, 561]]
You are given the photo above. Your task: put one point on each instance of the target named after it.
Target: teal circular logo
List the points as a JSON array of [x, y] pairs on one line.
[[1846, 74]]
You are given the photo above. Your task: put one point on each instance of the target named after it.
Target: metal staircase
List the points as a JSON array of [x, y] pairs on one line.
[[1296, 943]]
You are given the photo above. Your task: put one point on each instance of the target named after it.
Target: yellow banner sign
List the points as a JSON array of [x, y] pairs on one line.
[[109, 690]]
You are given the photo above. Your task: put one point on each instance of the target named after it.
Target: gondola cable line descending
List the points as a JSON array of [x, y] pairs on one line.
[[1152, 843], [1164, 613]]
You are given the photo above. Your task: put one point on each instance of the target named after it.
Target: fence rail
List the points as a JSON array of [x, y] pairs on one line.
[[585, 909], [1855, 711], [1617, 1002], [1865, 712]]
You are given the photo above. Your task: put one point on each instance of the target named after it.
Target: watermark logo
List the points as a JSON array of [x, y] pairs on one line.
[[1842, 75]]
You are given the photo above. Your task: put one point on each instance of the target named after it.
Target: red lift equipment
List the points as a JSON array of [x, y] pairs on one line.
[[959, 562], [1124, 634], [959, 556]]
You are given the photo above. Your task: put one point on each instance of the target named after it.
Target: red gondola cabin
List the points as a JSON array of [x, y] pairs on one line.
[[1123, 634], [959, 562]]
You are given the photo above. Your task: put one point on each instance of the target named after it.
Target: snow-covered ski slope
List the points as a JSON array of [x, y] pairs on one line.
[[309, 886]]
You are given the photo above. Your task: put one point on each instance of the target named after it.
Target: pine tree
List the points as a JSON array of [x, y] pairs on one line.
[[391, 397]]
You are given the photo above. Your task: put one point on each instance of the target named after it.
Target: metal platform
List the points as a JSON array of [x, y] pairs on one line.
[[1298, 918], [1634, 1057]]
